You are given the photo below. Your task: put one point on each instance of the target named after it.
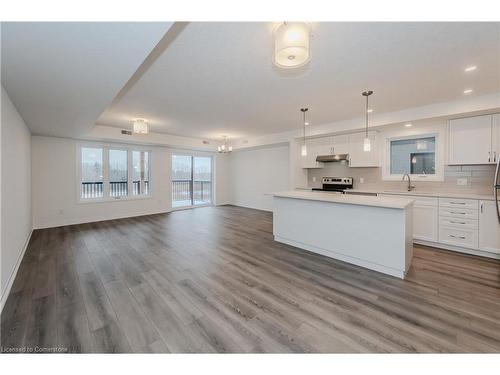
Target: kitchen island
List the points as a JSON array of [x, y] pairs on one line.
[[368, 231]]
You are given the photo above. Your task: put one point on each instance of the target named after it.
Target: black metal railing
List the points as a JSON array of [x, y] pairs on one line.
[[92, 190], [116, 189], [136, 186], [181, 191]]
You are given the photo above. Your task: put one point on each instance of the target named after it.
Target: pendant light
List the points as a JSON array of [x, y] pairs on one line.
[[141, 126], [224, 148], [291, 44], [303, 149], [366, 143]]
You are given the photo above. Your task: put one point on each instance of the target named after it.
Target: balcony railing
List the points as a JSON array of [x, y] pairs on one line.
[[116, 189], [181, 192]]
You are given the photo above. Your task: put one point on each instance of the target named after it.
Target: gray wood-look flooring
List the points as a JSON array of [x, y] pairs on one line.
[[213, 280]]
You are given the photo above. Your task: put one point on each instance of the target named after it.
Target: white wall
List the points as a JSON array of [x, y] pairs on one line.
[[222, 179], [55, 200], [16, 223], [253, 173]]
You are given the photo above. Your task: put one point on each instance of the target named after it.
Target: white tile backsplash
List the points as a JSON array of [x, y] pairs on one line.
[[479, 178]]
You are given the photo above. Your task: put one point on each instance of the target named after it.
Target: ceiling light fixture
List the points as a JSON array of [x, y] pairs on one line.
[[291, 44], [370, 110], [303, 149], [224, 148], [366, 143], [470, 68], [468, 91], [408, 125], [141, 126]]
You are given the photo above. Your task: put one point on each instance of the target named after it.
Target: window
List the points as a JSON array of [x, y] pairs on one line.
[[92, 175], [416, 155], [191, 180], [118, 173], [140, 176], [113, 173]]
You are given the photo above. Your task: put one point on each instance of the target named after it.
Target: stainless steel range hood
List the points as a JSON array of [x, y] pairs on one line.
[[332, 158]]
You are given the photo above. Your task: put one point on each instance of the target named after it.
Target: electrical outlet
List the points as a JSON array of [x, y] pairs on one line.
[[462, 181], [314, 179], [361, 180]]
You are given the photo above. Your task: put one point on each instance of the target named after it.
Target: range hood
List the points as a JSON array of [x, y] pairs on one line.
[[332, 158]]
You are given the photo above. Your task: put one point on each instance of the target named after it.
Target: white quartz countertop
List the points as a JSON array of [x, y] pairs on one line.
[[361, 200], [418, 193]]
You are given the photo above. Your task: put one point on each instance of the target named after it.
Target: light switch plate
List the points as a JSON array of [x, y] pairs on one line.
[[361, 180], [462, 181], [314, 179]]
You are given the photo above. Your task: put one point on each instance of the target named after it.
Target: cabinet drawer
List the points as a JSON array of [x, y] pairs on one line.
[[423, 201], [460, 203], [459, 237], [458, 212], [458, 223]]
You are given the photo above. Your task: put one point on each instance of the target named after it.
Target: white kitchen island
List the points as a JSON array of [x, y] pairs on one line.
[[372, 232]]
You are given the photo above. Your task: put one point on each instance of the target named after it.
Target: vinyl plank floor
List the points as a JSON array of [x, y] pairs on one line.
[[213, 280]]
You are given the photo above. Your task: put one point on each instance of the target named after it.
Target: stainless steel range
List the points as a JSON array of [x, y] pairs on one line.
[[336, 184]]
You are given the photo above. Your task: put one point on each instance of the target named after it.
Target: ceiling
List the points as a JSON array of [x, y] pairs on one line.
[[213, 78], [218, 78], [62, 76]]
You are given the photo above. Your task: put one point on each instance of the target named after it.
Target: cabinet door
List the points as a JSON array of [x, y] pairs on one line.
[[489, 227], [496, 138], [425, 221], [314, 148], [470, 140], [341, 144], [360, 158]]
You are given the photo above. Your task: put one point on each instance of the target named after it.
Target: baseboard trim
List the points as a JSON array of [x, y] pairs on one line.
[[13, 274], [457, 249]]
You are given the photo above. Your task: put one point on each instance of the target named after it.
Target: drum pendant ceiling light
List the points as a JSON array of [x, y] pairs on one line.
[[291, 44]]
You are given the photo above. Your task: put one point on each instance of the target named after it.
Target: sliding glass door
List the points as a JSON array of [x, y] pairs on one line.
[[191, 180]]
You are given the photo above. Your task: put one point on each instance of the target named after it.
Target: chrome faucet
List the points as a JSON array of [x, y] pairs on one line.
[[410, 186]]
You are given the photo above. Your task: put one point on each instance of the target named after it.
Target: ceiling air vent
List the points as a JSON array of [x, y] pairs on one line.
[[206, 142], [126, 132]]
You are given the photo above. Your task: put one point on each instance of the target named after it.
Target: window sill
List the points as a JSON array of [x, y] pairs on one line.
[[108, 200]]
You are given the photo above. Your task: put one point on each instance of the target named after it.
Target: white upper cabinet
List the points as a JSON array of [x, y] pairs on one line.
[[489, 228], [495, 142], [341, 144], [360, 158], [470, 140], [315, 147]]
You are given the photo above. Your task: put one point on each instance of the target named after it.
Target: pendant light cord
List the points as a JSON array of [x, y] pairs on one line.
[[304, 110], [366, 114]]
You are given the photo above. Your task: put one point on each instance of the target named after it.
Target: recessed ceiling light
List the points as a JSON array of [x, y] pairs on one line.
[[408, 125], [470, 68], [306, 123], [370, 110], [468, 91]]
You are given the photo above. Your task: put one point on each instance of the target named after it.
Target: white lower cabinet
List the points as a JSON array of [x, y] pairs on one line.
[[489, 227], [425, 217], [467, 224], [458, 222]]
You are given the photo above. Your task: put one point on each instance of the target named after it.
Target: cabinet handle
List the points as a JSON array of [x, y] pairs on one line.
[[459, 213], [461, 237], [457, 202], [494, 156], [489, 157], [457, 222]]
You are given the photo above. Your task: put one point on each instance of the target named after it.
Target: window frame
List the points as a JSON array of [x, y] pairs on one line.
[[438, 158], [194, 154], [105, 169]]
